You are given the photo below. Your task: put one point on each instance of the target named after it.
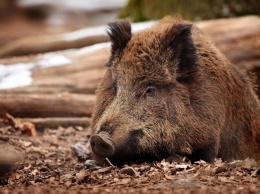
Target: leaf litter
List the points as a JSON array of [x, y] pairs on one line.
[[53, 162]]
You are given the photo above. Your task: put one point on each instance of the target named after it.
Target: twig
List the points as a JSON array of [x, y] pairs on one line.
[[109, 162]]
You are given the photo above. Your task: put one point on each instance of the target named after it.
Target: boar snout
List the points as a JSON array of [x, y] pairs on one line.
[[102, 145]]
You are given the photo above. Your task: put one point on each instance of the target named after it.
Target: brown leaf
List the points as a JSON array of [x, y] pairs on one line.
[[129, 171], [66, 177], [249, 164], [27, 128], [168, 177], [220, 169], [25, 143], [27, 167], [10, 120], [80, 175], [224, 179], [104, 170], [124, 181]]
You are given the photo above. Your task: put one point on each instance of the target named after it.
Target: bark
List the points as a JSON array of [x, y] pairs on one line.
[[81, 75], [41, 105], [42, 44], [55, 122], [237, 38]]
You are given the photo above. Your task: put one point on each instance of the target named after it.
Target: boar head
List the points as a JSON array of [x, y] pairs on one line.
[[144, 110]]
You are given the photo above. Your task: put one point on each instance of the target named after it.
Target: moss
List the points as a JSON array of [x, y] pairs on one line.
[[141, 10]]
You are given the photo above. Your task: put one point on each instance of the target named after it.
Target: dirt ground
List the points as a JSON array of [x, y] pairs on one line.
[[49, 165]]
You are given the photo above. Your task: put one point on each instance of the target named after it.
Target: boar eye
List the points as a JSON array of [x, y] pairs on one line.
[[150, 91]]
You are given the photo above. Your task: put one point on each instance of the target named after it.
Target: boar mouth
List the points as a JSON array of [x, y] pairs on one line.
[[103, 147]]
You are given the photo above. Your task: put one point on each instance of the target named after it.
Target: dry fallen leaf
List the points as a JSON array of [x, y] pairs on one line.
[[80, 175], [129, 171], [27, 167], [224, 179], [249, 164], [25, 127], [9, 119], [66, 177], [25, 143], [168, 177], [34, 172], [105, 170]]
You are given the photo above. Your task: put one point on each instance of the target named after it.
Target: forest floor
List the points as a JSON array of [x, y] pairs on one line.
[[47, 164]]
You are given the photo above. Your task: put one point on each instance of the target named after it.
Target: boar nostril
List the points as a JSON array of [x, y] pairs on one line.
[[102, 145]]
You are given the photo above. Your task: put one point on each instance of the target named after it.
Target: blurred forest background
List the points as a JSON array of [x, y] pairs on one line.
[[142, 10], [29, 17]]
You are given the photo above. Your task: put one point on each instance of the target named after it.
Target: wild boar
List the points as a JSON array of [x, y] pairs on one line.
[[168, 91]]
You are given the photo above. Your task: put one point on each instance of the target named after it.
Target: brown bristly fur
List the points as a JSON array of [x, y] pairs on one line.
[[169, 91]]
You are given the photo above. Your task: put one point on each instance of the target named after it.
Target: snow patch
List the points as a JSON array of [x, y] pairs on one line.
[[52, 60], [20, 74], [15, 75], [91, 31], [141, 25]]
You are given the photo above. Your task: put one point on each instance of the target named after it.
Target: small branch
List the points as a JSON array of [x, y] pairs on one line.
[[109, 162]]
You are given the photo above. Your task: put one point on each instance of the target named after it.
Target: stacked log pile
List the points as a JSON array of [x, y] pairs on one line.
[[64, 95]]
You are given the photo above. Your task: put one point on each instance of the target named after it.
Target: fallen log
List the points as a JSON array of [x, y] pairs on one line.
[[43, 105], [81, 73], [47, 43], [55, 122], [237, 38], [29, 126], [33, 45]]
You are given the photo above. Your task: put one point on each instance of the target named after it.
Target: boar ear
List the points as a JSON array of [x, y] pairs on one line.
[[178, 39], [120, 34]]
